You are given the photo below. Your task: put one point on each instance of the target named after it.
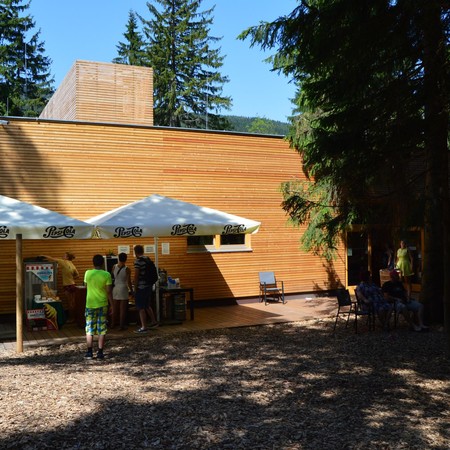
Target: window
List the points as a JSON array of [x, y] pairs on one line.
[[219, 243], [232, 239], [200, 240]]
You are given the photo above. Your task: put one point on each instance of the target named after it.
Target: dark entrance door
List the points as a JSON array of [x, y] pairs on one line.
[[357, 256]]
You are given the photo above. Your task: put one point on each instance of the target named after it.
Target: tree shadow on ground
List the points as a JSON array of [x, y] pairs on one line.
[[284, 386]]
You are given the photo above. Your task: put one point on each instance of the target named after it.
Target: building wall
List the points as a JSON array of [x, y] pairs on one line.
[[104, 92], [85, 169]]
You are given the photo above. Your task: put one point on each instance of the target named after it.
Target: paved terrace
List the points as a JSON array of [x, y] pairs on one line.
[[248, 312]]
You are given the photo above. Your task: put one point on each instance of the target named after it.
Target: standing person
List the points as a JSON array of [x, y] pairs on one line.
[[143, 290], [122, 287], [69, 274], [404, 263], [98, 297], [388, 258]]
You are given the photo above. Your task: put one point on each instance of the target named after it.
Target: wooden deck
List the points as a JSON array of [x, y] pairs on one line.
[[246, 313]]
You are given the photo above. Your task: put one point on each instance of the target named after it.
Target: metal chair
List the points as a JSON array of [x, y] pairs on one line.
[[270, 289], [349, 307], [365, 308]]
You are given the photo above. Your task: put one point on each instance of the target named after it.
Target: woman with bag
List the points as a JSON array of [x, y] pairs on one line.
[[121, 275]]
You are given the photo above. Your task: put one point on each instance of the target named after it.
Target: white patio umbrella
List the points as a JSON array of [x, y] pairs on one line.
[[20, 220], [158, 216]]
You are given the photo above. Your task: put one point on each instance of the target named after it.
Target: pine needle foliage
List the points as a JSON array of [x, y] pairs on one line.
[[25, 80], [372, 122], [188, 84]]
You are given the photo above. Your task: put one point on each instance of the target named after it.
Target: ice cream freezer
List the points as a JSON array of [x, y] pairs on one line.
[[40, 281], [40, 292]]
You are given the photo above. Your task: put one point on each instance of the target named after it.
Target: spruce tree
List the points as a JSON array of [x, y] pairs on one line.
[[187, 82], [132, 51], [373, 108], [25, 81]]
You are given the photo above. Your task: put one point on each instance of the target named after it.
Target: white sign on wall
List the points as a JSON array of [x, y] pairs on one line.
[[165, 248], [123, 249], [149, 249]]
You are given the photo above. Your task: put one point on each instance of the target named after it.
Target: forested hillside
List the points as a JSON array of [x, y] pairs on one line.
[[257, 125]]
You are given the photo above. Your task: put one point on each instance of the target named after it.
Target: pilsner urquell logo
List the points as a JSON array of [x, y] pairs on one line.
[[59, 232], [234, 229], [180, 230], [122, 232], [4, 231]]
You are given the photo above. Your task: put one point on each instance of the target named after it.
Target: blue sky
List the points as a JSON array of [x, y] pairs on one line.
[[91, 29]]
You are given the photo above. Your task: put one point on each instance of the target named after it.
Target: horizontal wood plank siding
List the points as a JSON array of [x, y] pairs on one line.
[[104, 92], [82, 170], [63, 103]]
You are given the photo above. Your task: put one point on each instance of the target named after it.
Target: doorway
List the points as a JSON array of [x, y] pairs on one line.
[[367, 250], [357, 256]]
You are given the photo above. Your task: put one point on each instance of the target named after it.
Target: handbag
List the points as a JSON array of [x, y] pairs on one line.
[[112, 275]]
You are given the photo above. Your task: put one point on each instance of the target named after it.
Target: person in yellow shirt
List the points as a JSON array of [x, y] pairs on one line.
[[69, 274], [404, 263]]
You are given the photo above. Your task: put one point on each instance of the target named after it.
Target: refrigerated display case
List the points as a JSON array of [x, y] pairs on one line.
[[42, 304], [110, 261], [40, 281]]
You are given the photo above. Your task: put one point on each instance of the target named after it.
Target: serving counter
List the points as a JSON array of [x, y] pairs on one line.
[[80, 306]]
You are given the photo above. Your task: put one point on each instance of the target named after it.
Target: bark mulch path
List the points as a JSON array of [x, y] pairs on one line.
[[284, 386]]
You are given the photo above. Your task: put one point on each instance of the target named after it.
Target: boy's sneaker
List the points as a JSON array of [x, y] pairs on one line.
[[154, 325], [88, 355], [141, 331], [100, 354]]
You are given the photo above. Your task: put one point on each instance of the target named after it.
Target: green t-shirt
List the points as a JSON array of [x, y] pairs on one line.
[[97, 291]]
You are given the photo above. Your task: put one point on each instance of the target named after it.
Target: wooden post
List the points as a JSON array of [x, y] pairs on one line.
[[19, 294], [157, 312]]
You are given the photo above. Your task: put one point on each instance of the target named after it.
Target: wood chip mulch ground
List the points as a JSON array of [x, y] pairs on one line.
[[287, 386]]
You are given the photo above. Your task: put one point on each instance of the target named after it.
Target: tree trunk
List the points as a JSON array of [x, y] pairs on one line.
[[435, 288]]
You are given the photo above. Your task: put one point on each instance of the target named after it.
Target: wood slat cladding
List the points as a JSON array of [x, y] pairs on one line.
[[82, 170], [104, 92]]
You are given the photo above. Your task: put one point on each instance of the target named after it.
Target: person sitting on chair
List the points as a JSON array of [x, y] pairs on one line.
[[395, 292], [373, 295]]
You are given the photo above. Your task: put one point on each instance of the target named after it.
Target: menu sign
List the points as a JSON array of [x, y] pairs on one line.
[[43, 271]]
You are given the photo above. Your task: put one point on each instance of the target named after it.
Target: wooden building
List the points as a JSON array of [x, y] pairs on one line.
[[82, 168]]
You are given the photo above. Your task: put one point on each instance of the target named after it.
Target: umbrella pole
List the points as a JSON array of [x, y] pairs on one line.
[[157, 283], [19, 295]]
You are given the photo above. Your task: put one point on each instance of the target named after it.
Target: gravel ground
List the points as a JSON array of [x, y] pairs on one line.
[[289, 386]]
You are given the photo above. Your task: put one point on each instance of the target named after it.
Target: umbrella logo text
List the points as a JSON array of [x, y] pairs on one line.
[[180, 230], [122, 232], [59, 232], [234, 229], [4, 232]]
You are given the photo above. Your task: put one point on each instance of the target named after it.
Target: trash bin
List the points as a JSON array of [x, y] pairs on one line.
[[179, 306], [166, 304]]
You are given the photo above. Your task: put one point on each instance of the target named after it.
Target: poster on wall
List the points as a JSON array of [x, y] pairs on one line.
[[149, 249]]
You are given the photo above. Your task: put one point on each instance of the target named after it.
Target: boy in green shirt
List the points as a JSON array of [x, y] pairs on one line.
[[98, 297]]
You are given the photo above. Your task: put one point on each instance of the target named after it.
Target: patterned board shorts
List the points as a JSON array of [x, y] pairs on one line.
[[96, 320]]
